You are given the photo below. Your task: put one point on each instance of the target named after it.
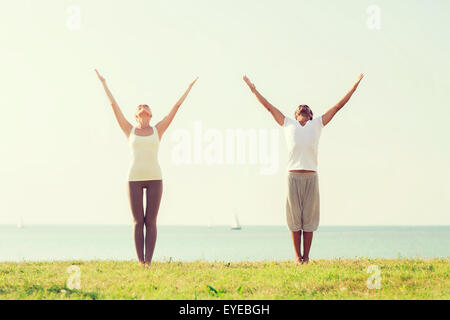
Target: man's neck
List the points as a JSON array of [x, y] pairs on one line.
[[302, 120]]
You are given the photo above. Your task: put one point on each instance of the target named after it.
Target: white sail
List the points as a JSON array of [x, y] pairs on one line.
[[236, 225]]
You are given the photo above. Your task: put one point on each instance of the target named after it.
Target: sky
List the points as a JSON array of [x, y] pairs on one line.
[[383, 159]]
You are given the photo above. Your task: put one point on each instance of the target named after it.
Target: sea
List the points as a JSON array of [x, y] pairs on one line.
[[219, 243]]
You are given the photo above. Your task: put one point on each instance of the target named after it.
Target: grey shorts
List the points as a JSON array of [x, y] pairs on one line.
[[303, 201]]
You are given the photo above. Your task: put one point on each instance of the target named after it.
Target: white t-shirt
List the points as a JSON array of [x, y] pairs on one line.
[[302, 143]]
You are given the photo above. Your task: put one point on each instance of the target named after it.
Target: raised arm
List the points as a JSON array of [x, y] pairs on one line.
[[276, 114], [165, 122], [123, 122], [327, 116]]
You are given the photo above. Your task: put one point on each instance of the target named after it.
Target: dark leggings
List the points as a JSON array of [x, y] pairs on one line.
[[153, 198]]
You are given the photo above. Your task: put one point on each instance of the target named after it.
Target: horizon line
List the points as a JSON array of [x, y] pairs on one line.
[[224, 225]]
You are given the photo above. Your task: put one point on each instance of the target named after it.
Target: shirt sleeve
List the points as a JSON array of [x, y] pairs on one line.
[[287, 121], [320, 123]]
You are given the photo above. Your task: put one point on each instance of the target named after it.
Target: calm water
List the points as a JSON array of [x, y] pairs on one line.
[[219, 243]]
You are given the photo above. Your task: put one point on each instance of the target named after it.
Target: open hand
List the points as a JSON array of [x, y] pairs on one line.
[[249, 83], [193, 82], [99, 76], [360, 77]]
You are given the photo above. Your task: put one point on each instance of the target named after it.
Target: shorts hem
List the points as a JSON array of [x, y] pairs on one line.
[[310, 230], [302, 229]]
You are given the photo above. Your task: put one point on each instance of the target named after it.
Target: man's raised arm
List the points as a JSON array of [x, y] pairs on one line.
[[327, 116], [277, 115]]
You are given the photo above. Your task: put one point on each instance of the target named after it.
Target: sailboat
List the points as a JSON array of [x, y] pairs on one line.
[[21, 223], [236, 225]]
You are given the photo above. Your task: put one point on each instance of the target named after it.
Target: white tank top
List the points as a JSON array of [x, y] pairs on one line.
[[144, 157]]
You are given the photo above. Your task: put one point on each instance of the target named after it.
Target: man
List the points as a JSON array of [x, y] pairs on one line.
[[302, 137]]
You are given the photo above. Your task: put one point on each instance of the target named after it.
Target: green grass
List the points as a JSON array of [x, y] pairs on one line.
[[321, 279]]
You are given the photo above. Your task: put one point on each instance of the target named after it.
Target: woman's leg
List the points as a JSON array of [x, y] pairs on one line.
[[135, 196], [154, 193]]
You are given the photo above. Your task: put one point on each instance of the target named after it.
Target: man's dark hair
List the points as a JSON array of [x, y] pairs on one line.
[[303, 105]]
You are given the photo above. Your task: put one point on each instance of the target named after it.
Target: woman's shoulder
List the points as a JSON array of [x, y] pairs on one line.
[[130, 133]]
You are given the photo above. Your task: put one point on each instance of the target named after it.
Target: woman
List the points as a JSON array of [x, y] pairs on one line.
[[144, 171], [302, 136]]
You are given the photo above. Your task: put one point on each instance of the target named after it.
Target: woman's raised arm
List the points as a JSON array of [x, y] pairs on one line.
[[123, 122], [165, 122]]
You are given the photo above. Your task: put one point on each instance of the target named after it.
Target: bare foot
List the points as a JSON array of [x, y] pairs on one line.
[[147, 263], [298, 260], [141, 262], [305, 260]]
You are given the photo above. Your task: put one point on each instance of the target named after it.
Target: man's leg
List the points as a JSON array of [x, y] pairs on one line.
[[311, 212], [307, 240], [293, 216], [297, 240]]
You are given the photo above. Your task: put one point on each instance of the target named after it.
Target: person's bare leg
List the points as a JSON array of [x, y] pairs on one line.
[[307, 240], [297, 241], [154, 193], [135, 196]]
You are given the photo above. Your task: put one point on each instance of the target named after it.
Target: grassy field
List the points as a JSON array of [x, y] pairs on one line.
[[321, 279]]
